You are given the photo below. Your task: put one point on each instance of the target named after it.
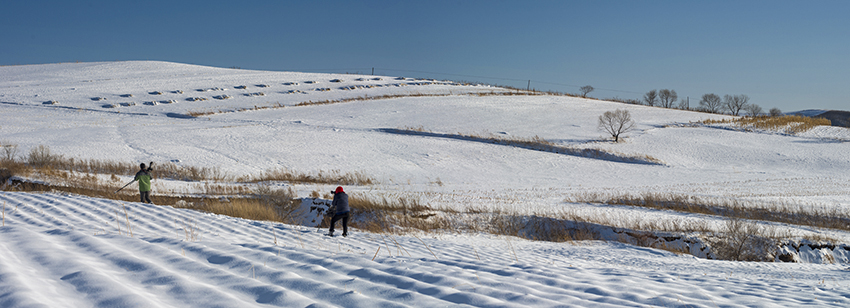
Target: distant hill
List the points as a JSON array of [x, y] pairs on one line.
[[838, 117], [807, 112]]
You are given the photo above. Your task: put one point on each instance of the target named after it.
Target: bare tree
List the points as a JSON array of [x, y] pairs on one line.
[[585, 89], [666, 98], [754, 110], [684, 104], [775, 112], [616, 122], [10, 152], [710, 102], [650, 98], [735, 103]]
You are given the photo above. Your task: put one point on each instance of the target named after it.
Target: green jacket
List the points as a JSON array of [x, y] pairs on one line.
[[144, 178]]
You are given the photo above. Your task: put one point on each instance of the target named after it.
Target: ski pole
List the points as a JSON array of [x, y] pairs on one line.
[[128, 184]]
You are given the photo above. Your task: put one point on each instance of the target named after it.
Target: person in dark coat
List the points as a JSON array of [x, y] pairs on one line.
[[340, 210]]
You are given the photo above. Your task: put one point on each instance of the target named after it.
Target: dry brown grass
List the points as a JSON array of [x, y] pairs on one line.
[[321, 177], [815, 216], [790, 124], [535, 143], [248, 208], [41, 161]]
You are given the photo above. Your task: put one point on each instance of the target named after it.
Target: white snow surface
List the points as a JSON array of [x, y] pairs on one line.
[[72, 251]]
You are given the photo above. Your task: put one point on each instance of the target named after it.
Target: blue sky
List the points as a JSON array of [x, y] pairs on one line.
[[792, 55]]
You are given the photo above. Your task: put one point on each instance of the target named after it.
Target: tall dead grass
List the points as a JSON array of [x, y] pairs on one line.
[[267, 204], [320, 177], [41, 160], [813, 216], [790, 124]]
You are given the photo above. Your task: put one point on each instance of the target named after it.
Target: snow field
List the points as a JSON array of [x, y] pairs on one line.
[[75, 257], [60, 250]]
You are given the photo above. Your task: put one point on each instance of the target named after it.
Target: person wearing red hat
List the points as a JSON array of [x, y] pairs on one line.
[[339, 207]]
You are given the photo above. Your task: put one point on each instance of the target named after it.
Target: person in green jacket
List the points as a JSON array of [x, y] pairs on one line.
[[144, 177]]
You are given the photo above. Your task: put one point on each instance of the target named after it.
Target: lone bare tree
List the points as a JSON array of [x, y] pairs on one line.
[[775, 112], [650, 98], [666, 98], [735, 103], [710, 102], [585, 89], [616, 122]]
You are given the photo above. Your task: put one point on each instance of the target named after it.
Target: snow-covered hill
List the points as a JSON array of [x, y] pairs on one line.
[[253, 121]]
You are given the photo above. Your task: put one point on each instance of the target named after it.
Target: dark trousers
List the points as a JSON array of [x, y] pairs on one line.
[[344, 217], [145, 196]]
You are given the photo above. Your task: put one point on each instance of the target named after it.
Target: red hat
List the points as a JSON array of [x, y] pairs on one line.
[[338, 190]]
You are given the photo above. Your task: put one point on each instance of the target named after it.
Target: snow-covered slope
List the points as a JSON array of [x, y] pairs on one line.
[[140, 111], [67, 251]]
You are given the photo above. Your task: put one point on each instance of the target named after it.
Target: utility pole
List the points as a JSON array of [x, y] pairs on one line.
[[373, 71], [529, 86]]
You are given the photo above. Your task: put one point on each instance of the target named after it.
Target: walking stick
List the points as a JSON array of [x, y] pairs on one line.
[[128, 184]]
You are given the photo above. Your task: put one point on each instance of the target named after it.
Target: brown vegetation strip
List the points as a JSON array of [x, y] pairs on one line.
[[832, 218], [536, 144], [791, 124]]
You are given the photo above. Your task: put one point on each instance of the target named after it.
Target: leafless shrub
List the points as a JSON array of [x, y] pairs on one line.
[[743, 240], [10, 151], [283, 201], [40, 156]]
